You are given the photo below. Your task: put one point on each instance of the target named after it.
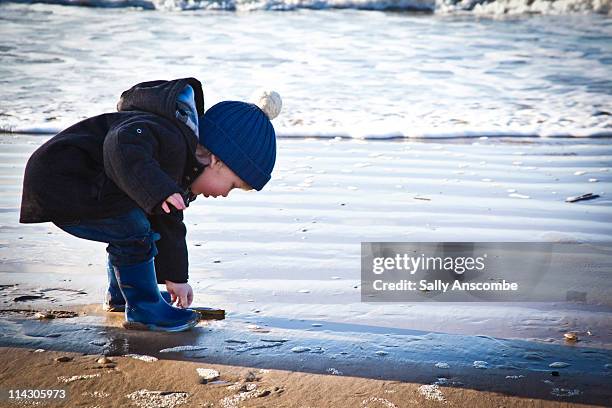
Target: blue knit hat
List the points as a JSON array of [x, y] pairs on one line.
[[241, 135]]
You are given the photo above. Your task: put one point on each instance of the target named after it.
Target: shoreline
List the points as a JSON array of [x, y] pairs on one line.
[[424, 135]]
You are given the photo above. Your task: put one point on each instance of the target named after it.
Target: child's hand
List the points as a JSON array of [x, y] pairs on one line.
[[177, 202], [181, 292]]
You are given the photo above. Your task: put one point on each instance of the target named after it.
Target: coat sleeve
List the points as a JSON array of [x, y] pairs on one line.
[[130, 160], [171, 262]]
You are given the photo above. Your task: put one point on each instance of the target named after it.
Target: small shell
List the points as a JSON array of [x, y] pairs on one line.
[[43, 315], [571, 337]]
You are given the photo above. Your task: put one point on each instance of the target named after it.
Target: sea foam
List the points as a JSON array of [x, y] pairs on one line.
[[480, 7]]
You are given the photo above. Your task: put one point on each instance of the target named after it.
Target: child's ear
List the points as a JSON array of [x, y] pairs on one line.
[[203, 155], [214, 161]]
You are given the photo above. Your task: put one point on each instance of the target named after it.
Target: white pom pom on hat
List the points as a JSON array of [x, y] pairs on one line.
[[269, 102]]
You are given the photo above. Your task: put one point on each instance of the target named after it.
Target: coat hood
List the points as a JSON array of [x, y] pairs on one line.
[[160, 97]]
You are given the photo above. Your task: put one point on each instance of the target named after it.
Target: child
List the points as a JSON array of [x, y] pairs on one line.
[[125, 178]]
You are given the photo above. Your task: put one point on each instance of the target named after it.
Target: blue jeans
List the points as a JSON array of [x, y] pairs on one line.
[[129, 236]]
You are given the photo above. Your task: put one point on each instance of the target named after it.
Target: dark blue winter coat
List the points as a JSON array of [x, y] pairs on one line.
[[111, 163]]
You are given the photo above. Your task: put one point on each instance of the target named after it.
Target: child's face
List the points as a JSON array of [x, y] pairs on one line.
[[217, 180]]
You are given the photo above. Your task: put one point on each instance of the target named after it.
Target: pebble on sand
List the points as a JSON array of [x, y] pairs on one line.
[[263, 393], [66, 379], [432, 392], [166, 399], [104, 360], [55, 314], [207, 375], [142, 357], [233, 401], [571, 337], [300, 349], [63, 359], [378, 402], [96, 394]]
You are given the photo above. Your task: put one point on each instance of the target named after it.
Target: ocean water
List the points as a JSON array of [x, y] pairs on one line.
[[350, 72]]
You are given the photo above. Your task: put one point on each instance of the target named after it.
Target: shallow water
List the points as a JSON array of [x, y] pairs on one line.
[[292, 251], [284, 264], [359, 73]]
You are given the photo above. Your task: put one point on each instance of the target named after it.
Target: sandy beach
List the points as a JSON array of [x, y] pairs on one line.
[[119, 382], [289, 281]]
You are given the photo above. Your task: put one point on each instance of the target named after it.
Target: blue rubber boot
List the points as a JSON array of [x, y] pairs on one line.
[[145, 309], [113, 300]]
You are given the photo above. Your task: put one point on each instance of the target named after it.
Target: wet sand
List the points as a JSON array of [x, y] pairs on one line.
[[284, 263], [121, 383]]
